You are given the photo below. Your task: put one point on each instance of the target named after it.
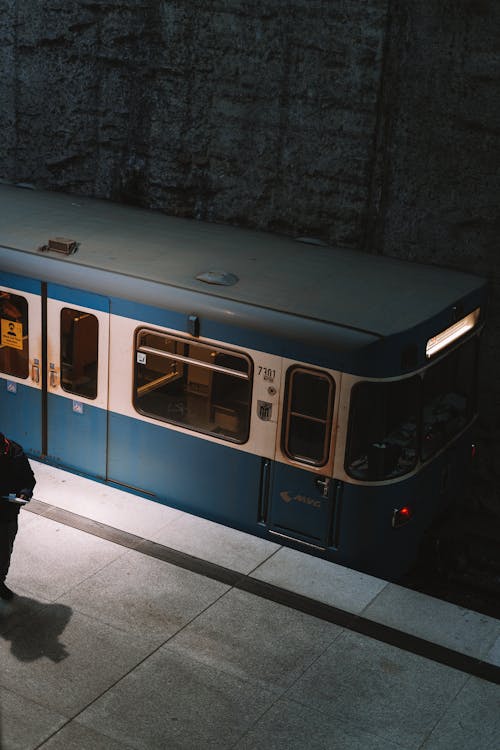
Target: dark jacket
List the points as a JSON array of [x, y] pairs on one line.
[[16, 476]]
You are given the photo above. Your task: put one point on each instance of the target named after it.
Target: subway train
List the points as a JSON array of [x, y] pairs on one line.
[[319, 397]]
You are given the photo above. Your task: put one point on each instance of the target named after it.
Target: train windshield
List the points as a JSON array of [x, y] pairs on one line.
[[449, 389], [393, 424], [383, 441]]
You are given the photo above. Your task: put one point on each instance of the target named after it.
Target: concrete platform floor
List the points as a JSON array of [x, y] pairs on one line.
[[139, 627]]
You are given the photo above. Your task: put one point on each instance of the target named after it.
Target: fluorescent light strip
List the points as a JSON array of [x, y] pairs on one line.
[[454, 332]]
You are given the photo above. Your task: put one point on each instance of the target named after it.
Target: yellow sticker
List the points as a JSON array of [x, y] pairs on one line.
[[12, 334]]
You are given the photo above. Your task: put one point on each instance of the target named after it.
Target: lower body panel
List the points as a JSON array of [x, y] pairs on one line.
[[196, 475]]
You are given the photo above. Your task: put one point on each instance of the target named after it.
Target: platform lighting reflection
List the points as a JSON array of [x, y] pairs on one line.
[[454, 332]]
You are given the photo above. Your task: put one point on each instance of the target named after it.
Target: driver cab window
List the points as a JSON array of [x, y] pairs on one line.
[[382, 439]]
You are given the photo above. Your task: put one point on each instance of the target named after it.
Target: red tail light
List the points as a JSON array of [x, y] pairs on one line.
[[401, 516]]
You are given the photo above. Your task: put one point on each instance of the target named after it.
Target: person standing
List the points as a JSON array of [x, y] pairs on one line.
[[16, 477]]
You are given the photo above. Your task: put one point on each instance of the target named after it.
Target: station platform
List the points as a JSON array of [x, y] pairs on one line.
[[138, 627]]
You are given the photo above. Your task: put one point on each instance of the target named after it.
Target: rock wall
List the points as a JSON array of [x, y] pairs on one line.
[[372, 124], [258, 113]]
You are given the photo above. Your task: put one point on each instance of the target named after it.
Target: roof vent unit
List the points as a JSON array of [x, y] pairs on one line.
[[221, 278], [60, 245]]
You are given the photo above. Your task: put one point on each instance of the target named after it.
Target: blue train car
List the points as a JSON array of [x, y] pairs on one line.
[[319, 397]]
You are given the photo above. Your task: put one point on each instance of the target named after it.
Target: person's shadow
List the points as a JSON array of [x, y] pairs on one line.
[[33, 628]]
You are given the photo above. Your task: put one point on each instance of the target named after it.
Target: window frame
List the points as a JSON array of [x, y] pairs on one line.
[[81, 313], [186, 360], [287, 414], [25, 354]]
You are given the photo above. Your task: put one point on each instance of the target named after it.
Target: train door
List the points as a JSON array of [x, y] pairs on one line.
[[302, 503], [77, 379], [20, 358]]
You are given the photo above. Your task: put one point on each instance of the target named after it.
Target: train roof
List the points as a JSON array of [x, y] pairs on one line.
[[364, 292]]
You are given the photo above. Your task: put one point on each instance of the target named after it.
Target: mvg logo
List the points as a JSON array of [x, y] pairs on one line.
[[288, 498]]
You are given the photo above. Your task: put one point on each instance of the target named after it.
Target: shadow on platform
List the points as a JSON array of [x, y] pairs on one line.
[[33, 628]]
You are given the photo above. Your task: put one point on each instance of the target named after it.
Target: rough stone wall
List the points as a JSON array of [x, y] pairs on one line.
[[372, 124], [258, 113]]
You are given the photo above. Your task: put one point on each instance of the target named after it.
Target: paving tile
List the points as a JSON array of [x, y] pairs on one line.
[[49, 558], [74, 736], [435, 620], [23, 723], [109, 505], [244, 635], [25, 518], [216, 543], [62, 659], [392, 694], [493, 654], [140, 594], [320, 580], [172, 701], [136, 515], [290, 726], [471, 721]]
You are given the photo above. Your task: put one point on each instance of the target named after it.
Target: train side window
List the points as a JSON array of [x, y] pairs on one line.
[[382, 435], [308, 415], [201, 387], [448, 398], [14, 356], [79, 352]]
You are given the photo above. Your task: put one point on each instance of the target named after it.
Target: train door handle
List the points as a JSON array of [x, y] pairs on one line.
[[52, 375], [35, 371], [323, 484]]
